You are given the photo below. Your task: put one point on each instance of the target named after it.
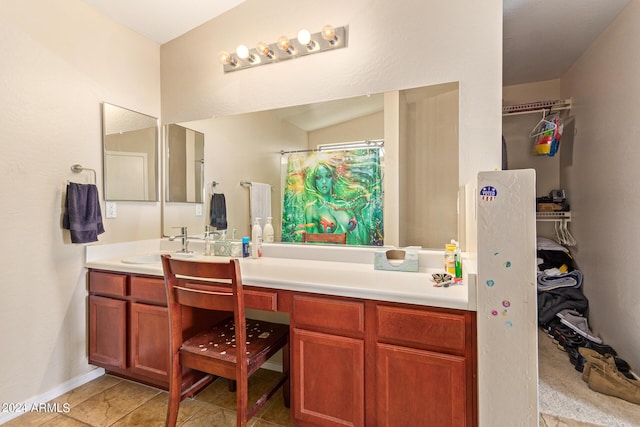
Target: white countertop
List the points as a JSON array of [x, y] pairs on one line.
[[322, 270]]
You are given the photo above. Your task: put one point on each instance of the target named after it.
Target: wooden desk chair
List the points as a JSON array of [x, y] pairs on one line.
[[339, 238], [234, 348]]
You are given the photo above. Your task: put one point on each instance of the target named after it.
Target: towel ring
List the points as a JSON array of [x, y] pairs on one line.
[[77, 168]]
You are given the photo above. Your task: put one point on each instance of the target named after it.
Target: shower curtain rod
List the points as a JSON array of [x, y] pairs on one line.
[[340, 146]]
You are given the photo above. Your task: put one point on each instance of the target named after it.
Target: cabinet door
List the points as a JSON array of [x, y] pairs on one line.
[[149, 340], [107, 332], [327, 379], [420, 388]]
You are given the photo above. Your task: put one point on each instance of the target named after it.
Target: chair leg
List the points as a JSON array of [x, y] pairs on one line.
[[241, 402], [231, 385], [175, 390]]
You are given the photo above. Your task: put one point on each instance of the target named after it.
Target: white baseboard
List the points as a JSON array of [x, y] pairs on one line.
[[51, 394]]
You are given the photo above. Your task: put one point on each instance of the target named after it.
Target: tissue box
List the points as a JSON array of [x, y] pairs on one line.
[[404, 259], [230, 248]]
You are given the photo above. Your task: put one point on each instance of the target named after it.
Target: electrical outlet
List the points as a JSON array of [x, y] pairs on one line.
[[198, 209], [111, 210]]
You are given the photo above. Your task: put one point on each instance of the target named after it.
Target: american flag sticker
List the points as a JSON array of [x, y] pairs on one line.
[[488, 193]]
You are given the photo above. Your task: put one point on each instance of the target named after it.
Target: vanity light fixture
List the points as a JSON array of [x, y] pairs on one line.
[[284, 48]]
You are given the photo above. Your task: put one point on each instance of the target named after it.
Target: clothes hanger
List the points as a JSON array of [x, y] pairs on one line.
[[543, 126]]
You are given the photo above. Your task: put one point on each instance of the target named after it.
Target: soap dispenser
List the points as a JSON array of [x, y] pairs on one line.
[[207, 240], [267, 233], [256, 239]]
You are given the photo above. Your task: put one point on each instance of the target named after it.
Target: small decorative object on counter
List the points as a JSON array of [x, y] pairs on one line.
[[207, 241], [267, 233], [444, 280], [236, 248], [256, 239], [245, 247], [449, 258]]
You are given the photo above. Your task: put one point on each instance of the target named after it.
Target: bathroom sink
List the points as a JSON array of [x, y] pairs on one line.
[[154, 258]]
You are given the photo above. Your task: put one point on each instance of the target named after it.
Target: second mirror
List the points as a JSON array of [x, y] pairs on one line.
[[184, 170]]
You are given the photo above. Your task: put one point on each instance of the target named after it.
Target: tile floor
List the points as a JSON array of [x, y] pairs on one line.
[[112, 401]]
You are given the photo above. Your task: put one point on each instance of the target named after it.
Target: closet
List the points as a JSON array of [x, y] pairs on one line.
[[523, 126]]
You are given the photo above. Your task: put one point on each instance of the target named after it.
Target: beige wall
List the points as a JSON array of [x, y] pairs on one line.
[[602, 178], [369, 127], [60, 60], [429, 166]]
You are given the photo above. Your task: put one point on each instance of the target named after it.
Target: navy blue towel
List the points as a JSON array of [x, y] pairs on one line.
[[82, 216], [218, 212]]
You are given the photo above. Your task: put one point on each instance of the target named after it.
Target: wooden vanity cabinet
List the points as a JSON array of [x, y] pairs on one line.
[[328, 361], [425, 366], [129, 326], [369, 363], [354, 362]]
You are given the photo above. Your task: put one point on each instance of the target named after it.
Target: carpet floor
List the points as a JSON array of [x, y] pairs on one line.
[[562, 393]]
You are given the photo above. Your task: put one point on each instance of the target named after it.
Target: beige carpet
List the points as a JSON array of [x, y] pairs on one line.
[[562, 392]]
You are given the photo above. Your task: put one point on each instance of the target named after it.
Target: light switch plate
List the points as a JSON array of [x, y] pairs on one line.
[[198, 209], [111, 210]]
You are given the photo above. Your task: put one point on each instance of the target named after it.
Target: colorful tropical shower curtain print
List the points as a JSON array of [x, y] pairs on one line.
[[334, 192]]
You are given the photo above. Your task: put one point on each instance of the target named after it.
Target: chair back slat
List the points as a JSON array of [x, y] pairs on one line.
[[207, 285], [209, 300]]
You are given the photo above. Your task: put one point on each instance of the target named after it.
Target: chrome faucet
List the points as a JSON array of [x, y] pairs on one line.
[[185, 242]]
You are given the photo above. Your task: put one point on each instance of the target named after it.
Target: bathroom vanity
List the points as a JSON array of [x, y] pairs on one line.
[[368, 347]]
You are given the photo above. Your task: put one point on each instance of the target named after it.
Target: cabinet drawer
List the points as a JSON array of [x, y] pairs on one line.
[[107, 283], [261, 300], [421, 328], [148, 289], [332, 314]]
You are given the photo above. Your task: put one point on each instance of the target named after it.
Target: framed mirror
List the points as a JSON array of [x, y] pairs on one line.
[[184, 158], [130, 150]]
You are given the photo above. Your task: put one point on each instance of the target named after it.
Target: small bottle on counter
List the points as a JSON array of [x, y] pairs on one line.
[[245, 247], [207, 241], [256, 239], [449, 258], [458, 263], [267, 233]]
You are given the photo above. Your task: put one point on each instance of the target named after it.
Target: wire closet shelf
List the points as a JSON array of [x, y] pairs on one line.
[[537, 106]]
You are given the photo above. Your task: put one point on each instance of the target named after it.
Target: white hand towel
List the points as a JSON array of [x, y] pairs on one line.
[[260, 202]]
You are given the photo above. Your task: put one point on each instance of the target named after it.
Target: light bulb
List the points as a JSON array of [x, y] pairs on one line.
[[264, 50], [242, 51], [225, 58], [329, 34], [284, 44], [304, 37]]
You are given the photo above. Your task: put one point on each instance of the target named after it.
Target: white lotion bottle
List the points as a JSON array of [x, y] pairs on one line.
[[267, 233], [256, 239]]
